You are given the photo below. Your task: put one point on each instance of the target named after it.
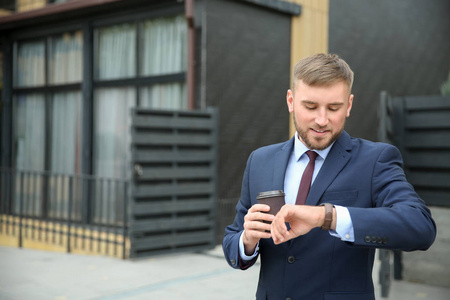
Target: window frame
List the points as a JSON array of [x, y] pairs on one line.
[[87, 23], [88, 84], [138, 80], [47, 89]]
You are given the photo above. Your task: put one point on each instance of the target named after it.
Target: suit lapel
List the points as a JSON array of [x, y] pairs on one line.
[[279, 171], [336, 160], [280, 164]]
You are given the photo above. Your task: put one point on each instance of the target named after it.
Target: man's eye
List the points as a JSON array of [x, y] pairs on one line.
[[333, 108], [310, 107]]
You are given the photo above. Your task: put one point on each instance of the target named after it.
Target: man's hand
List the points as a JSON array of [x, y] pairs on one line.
[[301, 218], [254, 228]]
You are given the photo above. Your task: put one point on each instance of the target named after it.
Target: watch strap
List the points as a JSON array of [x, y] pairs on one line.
[[328, 216]]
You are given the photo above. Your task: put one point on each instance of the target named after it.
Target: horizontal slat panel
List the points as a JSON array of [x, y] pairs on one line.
[[428, 120], [160, 207], [429, 179], [427, 140], [155, 225], [428, 159], [187, 248], [172, 240], [148, 156], [193, 114], [173, 146], [164, 122], [140, 138], [425, 144], [436, 197], [175, 173], [175, 190], [427, 103]]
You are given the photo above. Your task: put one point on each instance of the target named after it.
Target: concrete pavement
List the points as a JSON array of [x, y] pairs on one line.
[[32, 274]]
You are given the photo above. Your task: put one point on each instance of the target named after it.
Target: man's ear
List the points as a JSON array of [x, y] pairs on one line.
[[350, 104], [290, 100]]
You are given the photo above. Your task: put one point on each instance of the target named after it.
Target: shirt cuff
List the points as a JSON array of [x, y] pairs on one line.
[[344, 225], [242, 251]]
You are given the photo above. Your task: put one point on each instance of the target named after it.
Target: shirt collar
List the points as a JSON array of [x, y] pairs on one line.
[[300, 149]]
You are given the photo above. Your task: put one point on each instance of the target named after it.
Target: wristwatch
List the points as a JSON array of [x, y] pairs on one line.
[[328, 216]]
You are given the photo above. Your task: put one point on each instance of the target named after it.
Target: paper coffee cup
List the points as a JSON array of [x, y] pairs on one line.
[[274, 199]]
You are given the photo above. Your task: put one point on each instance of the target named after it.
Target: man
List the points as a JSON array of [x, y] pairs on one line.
[[312, 251]]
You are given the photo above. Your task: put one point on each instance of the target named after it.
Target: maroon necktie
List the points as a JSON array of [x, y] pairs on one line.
[[305, 184]]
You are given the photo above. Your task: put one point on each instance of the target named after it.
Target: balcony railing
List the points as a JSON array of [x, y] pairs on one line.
[[74, 211]]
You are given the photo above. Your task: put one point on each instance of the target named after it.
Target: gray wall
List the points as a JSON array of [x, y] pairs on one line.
[[400, 46], [247, 76]]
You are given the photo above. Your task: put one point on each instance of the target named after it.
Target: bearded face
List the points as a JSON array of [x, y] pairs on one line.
[[319, 112]]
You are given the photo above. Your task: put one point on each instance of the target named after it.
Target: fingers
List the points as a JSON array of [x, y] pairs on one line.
[[301, 218], [257, 229], [257, 223], [259, 207], [256, 213], [279, 231], [281, 235]]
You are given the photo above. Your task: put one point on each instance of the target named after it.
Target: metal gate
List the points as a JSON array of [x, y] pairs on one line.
[[173, 190]]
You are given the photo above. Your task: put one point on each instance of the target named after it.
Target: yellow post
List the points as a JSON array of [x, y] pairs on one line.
[[309, 34]]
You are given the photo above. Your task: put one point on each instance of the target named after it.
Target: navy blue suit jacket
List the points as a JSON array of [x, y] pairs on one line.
[[363, 176]]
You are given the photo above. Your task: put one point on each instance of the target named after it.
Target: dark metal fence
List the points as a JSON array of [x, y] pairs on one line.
[[78, 213]]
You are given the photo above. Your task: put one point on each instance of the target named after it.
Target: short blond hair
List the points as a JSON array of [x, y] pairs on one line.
[[322, 70]]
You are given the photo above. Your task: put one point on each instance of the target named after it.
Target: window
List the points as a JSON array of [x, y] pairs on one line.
[[134, 63], [163, 52], [164, 46], [116, 52], [149, 72], [111, 131], [47, 121], [65, 58], [30, 64], [63, 108], [29, 134]]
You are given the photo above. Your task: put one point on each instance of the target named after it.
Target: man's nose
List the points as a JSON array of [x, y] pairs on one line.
[[322, 119]]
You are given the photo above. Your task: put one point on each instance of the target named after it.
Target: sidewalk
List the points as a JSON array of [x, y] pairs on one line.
[[31, 274]]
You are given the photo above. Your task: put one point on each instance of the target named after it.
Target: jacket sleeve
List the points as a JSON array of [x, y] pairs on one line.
[[399, 219], [233, 232]]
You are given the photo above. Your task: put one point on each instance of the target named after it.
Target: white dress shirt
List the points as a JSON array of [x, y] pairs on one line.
[[294, 171]]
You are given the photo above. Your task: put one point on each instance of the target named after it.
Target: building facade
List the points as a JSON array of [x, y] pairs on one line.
[[73, 71]]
